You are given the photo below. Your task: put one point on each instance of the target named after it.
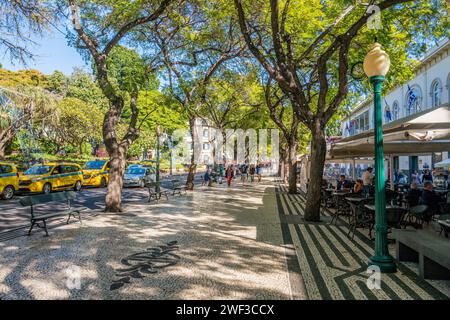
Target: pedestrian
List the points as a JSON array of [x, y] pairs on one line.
[[252, 173], [229, 174], [431, 199], [367, 179], [207, 178], [244, 173], [258, 172], [427, 177]]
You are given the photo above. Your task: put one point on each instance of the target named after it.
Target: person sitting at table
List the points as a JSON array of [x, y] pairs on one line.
[[358, 186], [343, 184], [430, 198], [413, 195]]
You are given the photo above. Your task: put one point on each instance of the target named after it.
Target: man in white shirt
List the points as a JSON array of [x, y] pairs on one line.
[[367, 179]]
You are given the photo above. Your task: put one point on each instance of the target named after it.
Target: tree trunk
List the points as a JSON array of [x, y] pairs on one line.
[[116, 172], [281, 163], [292, 165], [6, 137], [318, 153], [193, 165], [117, 153], [2, 151]]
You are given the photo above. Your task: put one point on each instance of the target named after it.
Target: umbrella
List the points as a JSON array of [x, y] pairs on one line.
[[443, 164]]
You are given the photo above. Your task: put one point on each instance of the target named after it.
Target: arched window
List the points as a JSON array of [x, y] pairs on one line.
[[436, 89], [413, 99], [395, 111]]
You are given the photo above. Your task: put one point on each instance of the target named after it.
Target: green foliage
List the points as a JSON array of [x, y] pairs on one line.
[[127, 70]]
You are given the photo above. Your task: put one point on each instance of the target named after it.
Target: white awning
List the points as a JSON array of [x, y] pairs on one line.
[[421, 133], [443, 164]]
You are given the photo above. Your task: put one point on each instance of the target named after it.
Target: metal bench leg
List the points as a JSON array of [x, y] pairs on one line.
[[45, 227], [31, 228]]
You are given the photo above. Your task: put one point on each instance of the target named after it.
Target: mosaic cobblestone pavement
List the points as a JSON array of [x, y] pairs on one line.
[[334, 267], [230, 247]]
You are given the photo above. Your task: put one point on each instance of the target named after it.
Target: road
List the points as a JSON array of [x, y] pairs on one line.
[[13, 215]]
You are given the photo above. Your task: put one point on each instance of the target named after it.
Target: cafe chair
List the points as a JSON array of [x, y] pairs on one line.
[[418, 215], [360, 218]]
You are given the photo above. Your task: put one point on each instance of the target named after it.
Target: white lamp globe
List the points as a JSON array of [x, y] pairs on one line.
[[376, 62]]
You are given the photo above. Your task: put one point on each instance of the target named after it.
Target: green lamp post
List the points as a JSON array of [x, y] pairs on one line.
[[158, 135], [376, 65]]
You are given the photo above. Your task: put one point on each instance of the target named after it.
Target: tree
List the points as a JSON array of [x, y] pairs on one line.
[[21, 108], [233, 99], [193, 44], [99, 30], [19, 20], [77, 124], [307, 48]]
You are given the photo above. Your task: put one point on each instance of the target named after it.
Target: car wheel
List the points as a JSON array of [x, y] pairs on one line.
[[8, 193], [141, 184], [77, 187], [103, 183], [47, 188]]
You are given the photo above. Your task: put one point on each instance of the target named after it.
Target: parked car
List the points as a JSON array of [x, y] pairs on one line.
[[138, 176], [96, 173], [9, 180], [48, 177]]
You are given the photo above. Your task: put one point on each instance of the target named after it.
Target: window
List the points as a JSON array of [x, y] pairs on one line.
[[395, 111], [206, 146], [69, 169], [5, 169], [359, 124], [205, 133], [413, 100], [436, 93], [56, 170]]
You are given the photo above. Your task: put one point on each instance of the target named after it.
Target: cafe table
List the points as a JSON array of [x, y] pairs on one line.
[[371, 207]]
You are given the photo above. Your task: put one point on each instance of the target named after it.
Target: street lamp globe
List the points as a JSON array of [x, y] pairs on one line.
[[376, 62]]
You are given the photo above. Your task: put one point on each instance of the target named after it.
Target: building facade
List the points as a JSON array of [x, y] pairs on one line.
[[429, 88]]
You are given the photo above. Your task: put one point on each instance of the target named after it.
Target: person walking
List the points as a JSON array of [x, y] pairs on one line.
[[229, 174], [367, 179], [252, 173], [258, 172], [207, 177], [427, 177], [244, 173]]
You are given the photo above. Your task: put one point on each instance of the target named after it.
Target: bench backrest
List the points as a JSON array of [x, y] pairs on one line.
[[45, 198], [176, 183]]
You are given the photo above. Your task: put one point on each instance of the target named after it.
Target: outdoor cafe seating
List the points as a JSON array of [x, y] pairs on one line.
[[359, 211]]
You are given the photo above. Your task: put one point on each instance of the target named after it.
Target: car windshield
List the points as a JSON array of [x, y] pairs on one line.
[[94, 165], [136, 171], [38, 170]]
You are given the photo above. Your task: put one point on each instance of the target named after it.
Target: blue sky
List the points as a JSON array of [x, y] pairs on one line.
[[52, 53]]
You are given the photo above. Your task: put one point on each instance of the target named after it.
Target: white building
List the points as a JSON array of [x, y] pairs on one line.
[[431, 87], [204, 131]]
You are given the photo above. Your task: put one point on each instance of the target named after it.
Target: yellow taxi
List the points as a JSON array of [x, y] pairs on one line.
[[49, 177], [96, 173], [9, 180]]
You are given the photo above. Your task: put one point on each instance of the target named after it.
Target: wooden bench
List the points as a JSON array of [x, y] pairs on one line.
[[177, 187], [32, 201], [431, 251], [154, 194]]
